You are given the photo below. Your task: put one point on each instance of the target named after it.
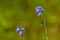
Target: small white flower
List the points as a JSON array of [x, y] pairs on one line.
[[22, 29], [42, 9]]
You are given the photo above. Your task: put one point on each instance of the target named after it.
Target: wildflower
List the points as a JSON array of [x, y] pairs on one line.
[[39, 14], [20, 33], [39, 10], [18, 28], [22, 29]]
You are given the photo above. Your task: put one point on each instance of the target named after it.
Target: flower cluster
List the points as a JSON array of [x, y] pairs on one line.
[[39, 10], [20, 30]]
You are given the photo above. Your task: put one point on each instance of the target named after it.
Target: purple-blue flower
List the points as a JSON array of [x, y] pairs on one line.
[[39, 10], [39, 14], [18, 28], [20, 33]]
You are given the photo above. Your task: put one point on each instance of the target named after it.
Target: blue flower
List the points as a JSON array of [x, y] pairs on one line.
[[20, 33], [18, 28], [39, 10], [39, 14]]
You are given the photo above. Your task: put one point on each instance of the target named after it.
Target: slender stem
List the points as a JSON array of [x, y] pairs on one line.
[[46, 30], [23, 37], [46, 34]]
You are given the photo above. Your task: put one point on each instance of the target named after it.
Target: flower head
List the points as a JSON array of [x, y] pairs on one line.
[[39, 14], [18, 28], [39, 10], [20, 33], [22, 29]]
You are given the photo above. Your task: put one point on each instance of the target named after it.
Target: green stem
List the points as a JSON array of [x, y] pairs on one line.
[[22, 38], [45, 30], [46, 34]]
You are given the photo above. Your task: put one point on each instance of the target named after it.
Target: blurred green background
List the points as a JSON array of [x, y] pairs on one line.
[[22, 12]]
